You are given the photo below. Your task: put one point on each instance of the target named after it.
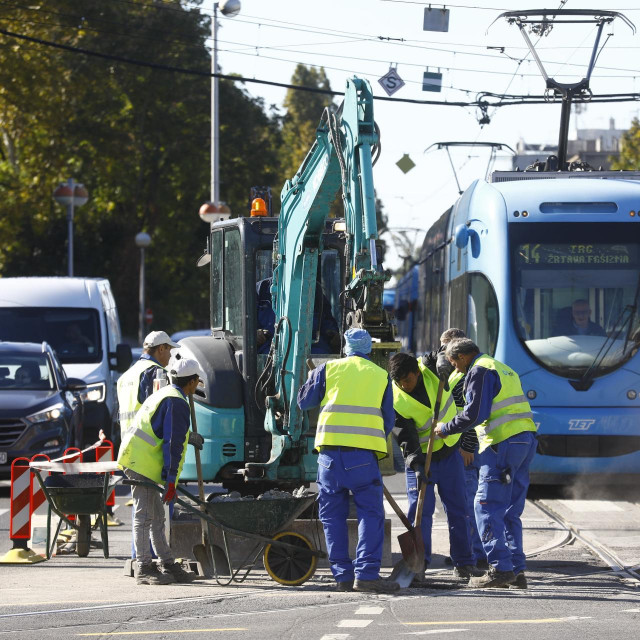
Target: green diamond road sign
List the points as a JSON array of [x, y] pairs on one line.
[[405, 164]]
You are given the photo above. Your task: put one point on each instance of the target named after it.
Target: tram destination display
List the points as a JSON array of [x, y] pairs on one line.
[[577, 254]]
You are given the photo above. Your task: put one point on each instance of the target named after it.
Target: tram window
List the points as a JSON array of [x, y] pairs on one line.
[[482, 313]]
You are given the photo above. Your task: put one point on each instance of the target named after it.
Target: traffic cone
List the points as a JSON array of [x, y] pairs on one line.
[[20, 524]]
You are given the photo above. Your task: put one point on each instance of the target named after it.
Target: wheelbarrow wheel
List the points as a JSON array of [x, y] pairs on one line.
[[84, 535], [289, 566]]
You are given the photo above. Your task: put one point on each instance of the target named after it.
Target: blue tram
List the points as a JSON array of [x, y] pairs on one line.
[[542, 270]]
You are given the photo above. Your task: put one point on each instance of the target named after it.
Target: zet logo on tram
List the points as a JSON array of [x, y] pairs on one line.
[[580, 425]]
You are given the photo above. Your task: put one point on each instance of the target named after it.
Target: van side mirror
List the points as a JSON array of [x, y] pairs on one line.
[[75, 384], [123, 357]]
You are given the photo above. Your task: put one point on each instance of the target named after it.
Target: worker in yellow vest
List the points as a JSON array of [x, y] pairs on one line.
[[153, 450], [499, 411], [136, 384], [356, 416], [415, 390]]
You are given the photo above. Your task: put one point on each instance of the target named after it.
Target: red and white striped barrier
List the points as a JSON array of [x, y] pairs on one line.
[[40, 519], [20, 522], [104, 453]]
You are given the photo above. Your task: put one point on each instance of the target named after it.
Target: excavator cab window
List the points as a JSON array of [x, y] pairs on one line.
[[226, 281]]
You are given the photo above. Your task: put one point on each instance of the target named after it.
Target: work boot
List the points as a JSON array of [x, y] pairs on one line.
[[178, 572], [467, 571], [483, 565], [493, 578], [375, 586], [346, 585], [418, 580], [520, 582], [150, 574]]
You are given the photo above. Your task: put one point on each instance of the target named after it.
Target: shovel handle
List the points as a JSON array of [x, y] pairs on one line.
[[397, 509], [203, 508], [427, 462]]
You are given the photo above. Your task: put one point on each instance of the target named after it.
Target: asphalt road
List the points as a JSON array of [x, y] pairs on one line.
[[573, 593]]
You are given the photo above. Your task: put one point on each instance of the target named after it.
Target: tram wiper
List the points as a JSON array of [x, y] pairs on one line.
[[585, 382]]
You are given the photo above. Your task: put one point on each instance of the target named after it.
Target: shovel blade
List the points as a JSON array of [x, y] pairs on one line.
[[402, 575], [412, 547], [202, 555]]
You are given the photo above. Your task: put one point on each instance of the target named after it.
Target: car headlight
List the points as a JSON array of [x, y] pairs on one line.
[[47, 415], [93, 392]]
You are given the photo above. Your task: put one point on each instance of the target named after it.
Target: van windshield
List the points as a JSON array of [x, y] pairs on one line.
[[73, 333]]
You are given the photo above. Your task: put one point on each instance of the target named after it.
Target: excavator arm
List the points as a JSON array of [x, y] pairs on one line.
[[341, 157]]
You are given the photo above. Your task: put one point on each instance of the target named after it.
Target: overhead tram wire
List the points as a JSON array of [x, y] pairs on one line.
[[233, 78]]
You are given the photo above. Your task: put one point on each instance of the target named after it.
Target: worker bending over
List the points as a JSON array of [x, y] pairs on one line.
[[415, 390], [153, 450], [356, 416], [497, 407]]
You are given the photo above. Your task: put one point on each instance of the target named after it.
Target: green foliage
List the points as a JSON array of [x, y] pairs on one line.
[[629, 149], [138, 138]]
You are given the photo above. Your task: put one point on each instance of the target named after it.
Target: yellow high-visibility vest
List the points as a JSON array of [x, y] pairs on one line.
[[350, 414], [128, 385]]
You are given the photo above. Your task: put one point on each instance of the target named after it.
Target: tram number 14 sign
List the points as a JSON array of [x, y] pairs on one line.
[[391, 82]]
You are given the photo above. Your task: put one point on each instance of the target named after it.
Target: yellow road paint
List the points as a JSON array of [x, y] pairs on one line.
[[533, 621], [163, 631]]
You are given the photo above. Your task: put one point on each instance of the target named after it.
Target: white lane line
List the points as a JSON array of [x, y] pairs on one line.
[[425, 633], [623, 611], [335, 636], [590, 506], [3, 511], [369, 611], [354, 623]]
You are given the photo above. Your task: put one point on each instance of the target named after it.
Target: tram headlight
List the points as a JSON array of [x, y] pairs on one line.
[[531, 394], [631, 394]]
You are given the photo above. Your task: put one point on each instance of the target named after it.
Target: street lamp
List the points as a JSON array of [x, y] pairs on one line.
[[143, 240], [71, 195], [228, 8]]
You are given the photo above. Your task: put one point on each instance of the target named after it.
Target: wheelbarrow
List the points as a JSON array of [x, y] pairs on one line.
[[82, 494], [289, 557]]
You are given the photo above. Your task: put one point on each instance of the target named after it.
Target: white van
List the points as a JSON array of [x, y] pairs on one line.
[[79, 319]]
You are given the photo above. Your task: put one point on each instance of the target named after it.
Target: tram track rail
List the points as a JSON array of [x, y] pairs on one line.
[[571, 532]]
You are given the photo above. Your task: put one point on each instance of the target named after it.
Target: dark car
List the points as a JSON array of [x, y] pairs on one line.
[[40, 408]]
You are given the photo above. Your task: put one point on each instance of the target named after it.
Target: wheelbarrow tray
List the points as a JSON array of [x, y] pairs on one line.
[[261, 517], [82, 493]]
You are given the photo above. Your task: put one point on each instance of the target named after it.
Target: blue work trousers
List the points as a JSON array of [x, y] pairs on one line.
[[499, 503], [342, 471], [471, 474], [448, 474]]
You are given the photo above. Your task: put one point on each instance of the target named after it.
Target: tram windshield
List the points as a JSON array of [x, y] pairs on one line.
[[576, 300]]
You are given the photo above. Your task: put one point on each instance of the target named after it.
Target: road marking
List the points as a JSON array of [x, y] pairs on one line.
[[623, 611], [123, 605], [532, 621], [3, 511], [335, 636], [354, 623], [159, 631], [432, 631], [369, 611]]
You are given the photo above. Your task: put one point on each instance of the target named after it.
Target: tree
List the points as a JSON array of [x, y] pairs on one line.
[[138, 138], [629, 158]]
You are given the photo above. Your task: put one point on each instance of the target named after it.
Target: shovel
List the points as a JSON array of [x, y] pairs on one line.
[[202, 551], [412, 562]]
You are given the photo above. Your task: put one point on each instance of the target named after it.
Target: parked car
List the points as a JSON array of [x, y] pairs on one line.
[[41, 410], [78, 317]]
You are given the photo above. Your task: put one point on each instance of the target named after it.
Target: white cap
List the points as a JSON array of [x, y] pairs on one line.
[[184, 368], [156, 338]]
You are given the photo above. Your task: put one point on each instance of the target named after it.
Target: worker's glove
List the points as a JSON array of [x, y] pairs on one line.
[[418, 468], [196, 440], [169, 492], [444, 369]]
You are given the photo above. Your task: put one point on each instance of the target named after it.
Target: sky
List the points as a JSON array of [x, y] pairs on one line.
[[366, 37]]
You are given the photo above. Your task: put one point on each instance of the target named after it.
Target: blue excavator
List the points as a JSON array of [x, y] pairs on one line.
[[312, 277]]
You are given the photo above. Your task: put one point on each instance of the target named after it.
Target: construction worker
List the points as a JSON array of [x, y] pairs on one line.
[[153, 450], [497, 408], [356, 416], [440, 365], [415, 390], [136, 384]]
